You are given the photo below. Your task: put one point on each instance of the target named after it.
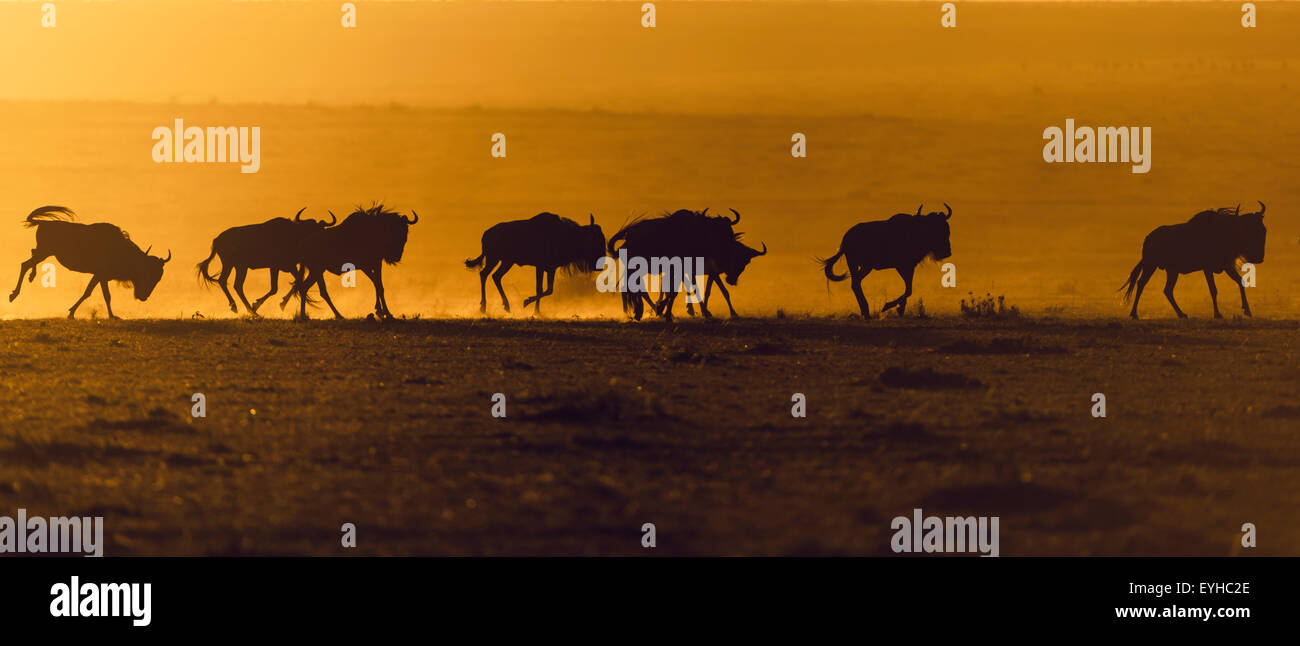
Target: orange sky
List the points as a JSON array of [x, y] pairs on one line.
[[702, 57]]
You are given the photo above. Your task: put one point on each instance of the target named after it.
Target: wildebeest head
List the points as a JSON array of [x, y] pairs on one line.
[[733, 265], [147, 273], [934, 233], [1251, 232], [591, 246], [391, 228]]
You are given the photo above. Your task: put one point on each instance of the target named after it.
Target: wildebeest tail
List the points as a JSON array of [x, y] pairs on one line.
[[203, 266], [295, 286], [49, 214], [829, 263], [1131, 283], [475, 263]]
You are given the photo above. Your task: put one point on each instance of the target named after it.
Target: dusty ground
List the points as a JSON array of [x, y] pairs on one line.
[[612, 424]]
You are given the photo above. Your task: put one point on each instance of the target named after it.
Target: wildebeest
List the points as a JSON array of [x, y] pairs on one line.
[[545, 241], [1210, 242], [365, 240], [101, 250], [729, 265], [272, 245], [899, 243], [669, 247]]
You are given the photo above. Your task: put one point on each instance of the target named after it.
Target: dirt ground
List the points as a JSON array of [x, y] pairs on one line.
[[612, 424]]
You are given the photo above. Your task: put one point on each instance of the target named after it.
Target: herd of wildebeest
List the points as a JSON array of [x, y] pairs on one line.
[[674, 248]]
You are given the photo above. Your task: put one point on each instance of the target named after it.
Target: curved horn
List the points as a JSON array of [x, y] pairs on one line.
[[146, 251], [945, 205], [412, 220], [333, 219], [298, 217], [169, 256], [764, 252], [593, 218], [919, 208], [704, 212], [1237, 211], [1261, 208], [737, 220]]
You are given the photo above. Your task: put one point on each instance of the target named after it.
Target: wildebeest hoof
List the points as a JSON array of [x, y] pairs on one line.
[[12, 296], [1218, 315], [114, 317], [1181, 315]]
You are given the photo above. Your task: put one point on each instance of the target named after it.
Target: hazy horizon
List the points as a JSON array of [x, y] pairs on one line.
[[604, 116]]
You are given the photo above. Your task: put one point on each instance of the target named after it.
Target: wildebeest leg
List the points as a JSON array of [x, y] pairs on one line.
[[1236, 278], [541, 292], [667, 310], [108, 300], [240, 275], [303, 287], [482, 283], [656, 307], [383, 293], [1171, 279], [901, 302], [1147, 273], [550, 287], [858, 273], [94, 280], [320, 286], [221, 280], [727, 295], [275, 287], [496, 278], [376, 277], [30, 265], [659, 305], [297, 280], [1214, 293], [704, 299]]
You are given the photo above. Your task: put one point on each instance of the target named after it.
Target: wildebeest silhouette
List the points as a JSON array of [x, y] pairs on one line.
[[545, 241], [366, 239], [101, 250], [272, 245], [1210, 242], [675, 238], [730, 266], [899, 243]]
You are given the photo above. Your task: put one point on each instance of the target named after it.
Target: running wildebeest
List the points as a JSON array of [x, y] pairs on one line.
[[730, 265], [272, 245], [669, 247], [899, 243], [545, 241], [1210, 242], [101, 250], [365, 240]]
